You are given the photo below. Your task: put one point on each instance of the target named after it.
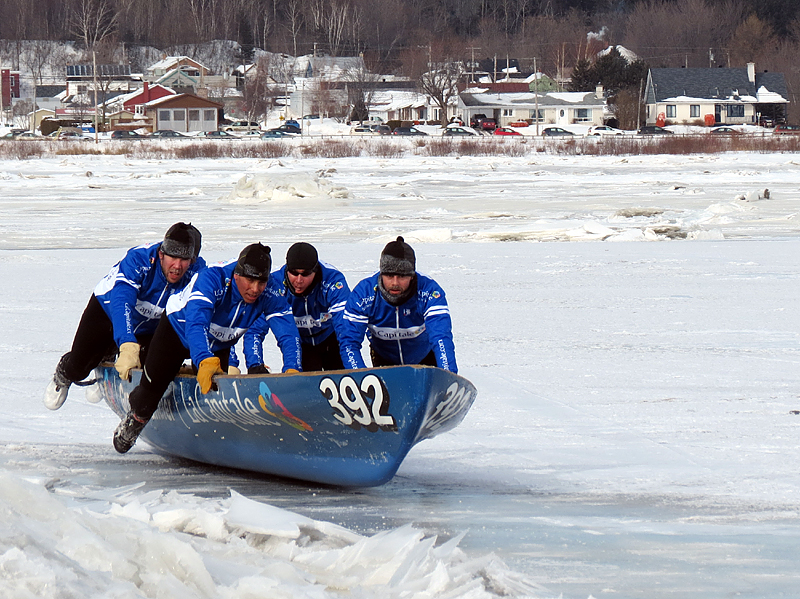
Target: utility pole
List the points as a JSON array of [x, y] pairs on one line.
[[536, 91], [472, 64], [94, 84]]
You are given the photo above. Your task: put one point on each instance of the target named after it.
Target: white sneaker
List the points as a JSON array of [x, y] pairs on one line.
[[55, 396], [93, 394]]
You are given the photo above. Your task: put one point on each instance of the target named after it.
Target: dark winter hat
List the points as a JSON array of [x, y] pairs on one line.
[[302, 256], [398, 258], [254, 262], [179, 242], [198, 239]]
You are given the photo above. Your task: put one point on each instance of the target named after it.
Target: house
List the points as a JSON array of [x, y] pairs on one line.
[[109, 80], [559, 108], [181, 112], [167, 64], [715, 96]]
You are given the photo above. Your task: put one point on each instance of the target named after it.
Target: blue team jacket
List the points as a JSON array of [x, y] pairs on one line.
[[210, 314], [135, 291], [404, 334], [317, 315]]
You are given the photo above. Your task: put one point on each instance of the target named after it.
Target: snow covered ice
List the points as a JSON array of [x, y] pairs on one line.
[[634, 433]]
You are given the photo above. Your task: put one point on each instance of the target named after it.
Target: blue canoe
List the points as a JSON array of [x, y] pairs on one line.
[[346, 427]]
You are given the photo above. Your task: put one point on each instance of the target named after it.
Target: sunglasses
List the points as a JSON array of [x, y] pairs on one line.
[[301, 273]]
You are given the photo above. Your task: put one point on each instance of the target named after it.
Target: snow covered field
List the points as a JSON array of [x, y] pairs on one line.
[[634, 433]]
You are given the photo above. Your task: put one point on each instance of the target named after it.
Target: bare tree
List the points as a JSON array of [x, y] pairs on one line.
[[294, 21], [93, 21], [440, 83]]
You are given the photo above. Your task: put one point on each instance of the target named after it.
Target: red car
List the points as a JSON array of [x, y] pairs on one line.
[[787, 130], [488, 124], [506, 131]]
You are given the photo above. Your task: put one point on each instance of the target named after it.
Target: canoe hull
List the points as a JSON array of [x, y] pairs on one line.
[[348, 427]]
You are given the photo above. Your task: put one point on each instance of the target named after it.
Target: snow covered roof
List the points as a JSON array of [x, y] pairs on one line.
[[529, 99], [715, 84]]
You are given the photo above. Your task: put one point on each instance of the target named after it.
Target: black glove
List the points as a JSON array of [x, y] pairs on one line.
[[257, 369]]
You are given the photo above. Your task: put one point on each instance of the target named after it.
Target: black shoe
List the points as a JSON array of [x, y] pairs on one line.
[[127, 432]]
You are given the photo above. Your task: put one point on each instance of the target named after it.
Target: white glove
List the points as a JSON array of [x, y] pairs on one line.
[[127, 360]]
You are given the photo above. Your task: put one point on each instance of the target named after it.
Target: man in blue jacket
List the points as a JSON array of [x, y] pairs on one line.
[[317, 294], [123, 312], [203, 322], [403, 313]]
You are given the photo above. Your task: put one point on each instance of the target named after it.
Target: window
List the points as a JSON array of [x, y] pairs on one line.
[[508, 112], [694, 111], [179, 115], [671, 110], [736, 110], [583, 114], [540, 118], [208, 115], [164, 115], [194, 115]]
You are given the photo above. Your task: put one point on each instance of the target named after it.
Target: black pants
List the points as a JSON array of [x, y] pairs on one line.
[[164, 359], [379, 360], [324, 356], [93, 343]]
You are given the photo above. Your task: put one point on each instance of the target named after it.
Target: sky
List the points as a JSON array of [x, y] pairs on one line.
[[628, 323]]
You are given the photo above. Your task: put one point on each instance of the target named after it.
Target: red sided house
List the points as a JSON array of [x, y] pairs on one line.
[[181, 112]]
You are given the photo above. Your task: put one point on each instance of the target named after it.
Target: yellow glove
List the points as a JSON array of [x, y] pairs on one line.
[[234, 370], [292, 371], [208, 368], [128, 358]]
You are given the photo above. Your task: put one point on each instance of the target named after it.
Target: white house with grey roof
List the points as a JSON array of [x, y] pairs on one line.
[[551, 108], [715, 96]]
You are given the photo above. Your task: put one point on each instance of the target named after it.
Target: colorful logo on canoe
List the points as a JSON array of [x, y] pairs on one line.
[[270, 403]]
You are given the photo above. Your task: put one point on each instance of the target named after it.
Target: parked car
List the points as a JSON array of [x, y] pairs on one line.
[[725, 131], [556, 132], [488, 124], [68, 134], [475, 120], [288, 128], [276, 133], [17, 134], [292, 122], [362, 130], [123, 134], [167, 133], [600, 130], [653, 130], [787, 130], [506, 131], [218, 135], [241, 126], [407, 131], [456, 131]]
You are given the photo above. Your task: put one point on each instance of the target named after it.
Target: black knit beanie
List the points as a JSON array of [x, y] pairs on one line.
[[301, 256], [254, 262], [179, 242], [198, 240], [398, 258]]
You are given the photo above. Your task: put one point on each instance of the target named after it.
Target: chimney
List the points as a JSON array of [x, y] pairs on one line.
[[598, 92], [146, 90], [751, 72]]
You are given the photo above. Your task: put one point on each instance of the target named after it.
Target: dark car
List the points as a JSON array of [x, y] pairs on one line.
[[219, 135], [725, 131], [122, 134], [407, 131], [166, 133], [455, 131], [288, 129], [475, 120], [787, 130], [556, 132], [653, 130], [276, 133]]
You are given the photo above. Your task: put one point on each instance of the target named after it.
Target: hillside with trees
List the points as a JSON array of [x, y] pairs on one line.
[[404, 36]]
